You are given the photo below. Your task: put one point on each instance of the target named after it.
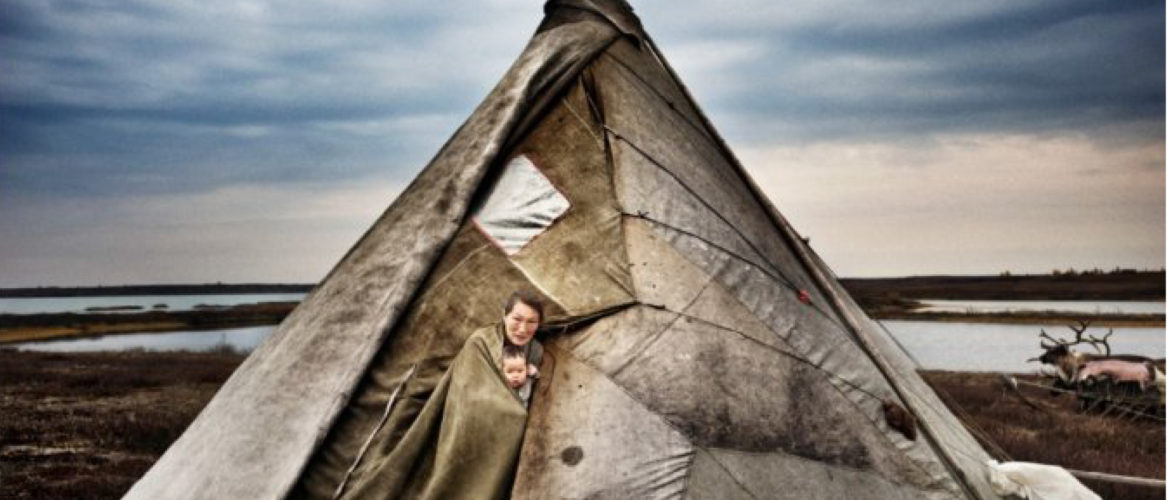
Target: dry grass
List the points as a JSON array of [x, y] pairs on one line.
[[1062, 436], [89, 425]]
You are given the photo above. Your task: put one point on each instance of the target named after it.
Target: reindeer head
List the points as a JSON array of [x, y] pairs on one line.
[[1056, 349], [1053, 354]]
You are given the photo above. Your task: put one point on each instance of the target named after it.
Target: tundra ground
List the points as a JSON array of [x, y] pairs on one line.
[[87, 425]]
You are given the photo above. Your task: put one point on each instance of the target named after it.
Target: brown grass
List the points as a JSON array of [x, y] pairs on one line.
[[1062, 436], [87, 425]]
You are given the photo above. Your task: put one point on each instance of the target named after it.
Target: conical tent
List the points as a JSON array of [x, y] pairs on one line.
[[699, 347]]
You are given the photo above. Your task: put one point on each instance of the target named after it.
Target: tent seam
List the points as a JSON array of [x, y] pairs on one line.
[[779, 279]]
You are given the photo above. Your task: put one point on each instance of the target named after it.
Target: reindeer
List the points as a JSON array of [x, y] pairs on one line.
[[1079, 370]]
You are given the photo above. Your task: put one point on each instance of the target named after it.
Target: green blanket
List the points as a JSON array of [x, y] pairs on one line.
[[465, 441]]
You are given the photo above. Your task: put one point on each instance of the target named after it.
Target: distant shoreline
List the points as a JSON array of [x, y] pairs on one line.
[[125, 290], [880, 298], [1118, 285], [1121, 286], [16, 328]]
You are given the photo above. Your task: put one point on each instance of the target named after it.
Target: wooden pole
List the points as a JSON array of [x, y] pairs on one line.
[[1114, 478]]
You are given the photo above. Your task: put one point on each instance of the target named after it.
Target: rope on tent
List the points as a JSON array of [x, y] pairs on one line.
[[369, 440], [917, 365], [969, 423], [584, 124]]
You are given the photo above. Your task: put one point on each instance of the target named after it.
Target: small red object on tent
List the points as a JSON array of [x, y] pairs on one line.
[[805, 297]]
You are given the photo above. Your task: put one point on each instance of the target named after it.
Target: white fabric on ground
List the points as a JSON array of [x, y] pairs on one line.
[[1036, 481]]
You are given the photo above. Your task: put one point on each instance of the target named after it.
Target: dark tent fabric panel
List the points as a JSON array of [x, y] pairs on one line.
[[667, 361], [588, 438], [775, 475], [666, 266], [465, 297]]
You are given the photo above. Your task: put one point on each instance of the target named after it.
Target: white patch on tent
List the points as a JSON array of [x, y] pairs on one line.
[[522, 204]]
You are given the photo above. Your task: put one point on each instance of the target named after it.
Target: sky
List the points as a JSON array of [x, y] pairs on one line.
[[169, 141]]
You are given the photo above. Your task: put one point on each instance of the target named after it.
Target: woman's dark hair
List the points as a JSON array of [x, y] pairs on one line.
[[527, 298]]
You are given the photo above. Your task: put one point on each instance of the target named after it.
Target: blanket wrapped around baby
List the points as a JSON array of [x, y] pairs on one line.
[[466, 439]]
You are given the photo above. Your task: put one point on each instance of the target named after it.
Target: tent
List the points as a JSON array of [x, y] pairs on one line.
[[701, 347]]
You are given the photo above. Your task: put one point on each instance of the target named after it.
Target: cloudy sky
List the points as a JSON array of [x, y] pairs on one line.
[[248, 141]]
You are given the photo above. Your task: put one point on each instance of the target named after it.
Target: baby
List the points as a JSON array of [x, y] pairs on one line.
[[517, 372]]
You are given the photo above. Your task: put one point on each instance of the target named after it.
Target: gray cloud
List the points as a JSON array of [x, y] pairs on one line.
[[1034, 67], [104, 100]]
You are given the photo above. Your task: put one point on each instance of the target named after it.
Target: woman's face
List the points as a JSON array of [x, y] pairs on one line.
[[520, 323]]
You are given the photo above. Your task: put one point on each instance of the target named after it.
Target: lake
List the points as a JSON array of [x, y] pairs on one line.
[[33, 305], [243, 339], [1004, 347], [1081, 306], [935, 345]]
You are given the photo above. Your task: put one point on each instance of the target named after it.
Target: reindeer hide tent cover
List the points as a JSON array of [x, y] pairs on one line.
[[687, 362]]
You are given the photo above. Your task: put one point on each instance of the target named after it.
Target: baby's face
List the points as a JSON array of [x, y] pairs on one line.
[[515, 372]]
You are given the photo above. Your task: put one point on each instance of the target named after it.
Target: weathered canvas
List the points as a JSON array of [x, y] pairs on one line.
[[701, 348]]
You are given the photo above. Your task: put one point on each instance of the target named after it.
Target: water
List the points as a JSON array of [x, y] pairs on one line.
[[996, 347], [243, 339], [35, 305], [1080, 306], [937, 345]]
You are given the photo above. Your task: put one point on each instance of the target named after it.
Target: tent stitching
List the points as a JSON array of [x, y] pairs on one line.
[[692, 192], [584, 124], [623, 390], [656, 336], [733, 255], [787, 281], [792, 355], [669, 103], [455, 268], [728, 473], [605, 127]]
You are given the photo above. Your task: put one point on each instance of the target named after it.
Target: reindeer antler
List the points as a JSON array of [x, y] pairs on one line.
[[1094, 341], [1084, 325], [1055, 342]]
